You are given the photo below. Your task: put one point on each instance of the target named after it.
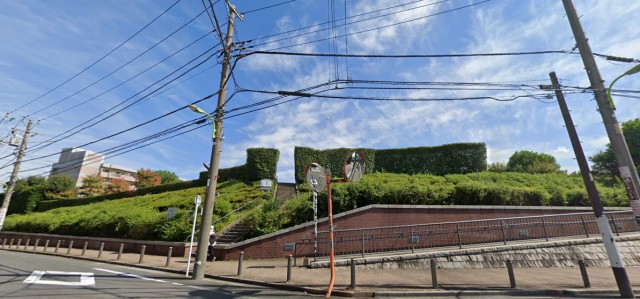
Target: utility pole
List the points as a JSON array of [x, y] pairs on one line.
[[14, 175], [619, 146], [620, 274], [209, 199]]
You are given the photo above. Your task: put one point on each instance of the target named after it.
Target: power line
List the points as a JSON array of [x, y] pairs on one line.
[[128, 80], [52, 141], [119, 68], [267, 7], [404, 56], [97, 61]]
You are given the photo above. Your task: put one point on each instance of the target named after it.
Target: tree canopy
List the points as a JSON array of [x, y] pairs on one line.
[[532, 162], [167, 177], [604, 162], [147, 178]]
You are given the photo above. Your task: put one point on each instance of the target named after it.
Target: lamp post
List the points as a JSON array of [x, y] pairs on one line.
[[197, 109], [631, 71]]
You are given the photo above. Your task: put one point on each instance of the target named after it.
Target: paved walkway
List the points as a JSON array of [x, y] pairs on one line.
[[385, 283]]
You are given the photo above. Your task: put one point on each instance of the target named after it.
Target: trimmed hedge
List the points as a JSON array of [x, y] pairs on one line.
[[262, 163], [455, 158], [46, 205]]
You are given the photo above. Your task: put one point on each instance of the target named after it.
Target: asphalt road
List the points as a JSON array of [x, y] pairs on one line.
[[25, 275]]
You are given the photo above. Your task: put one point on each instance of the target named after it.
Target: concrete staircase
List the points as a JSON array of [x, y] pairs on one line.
[[233, 234]]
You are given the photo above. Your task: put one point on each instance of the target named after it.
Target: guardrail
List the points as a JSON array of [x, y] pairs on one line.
[[458, 234]]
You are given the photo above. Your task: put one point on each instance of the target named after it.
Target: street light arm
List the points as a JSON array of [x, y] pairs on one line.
[[631, 71]]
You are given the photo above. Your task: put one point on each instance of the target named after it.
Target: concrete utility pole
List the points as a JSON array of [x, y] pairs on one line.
[[620, 274], [210, 196], [619, 146], [14, 175]]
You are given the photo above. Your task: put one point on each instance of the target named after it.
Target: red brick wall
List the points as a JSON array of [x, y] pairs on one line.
[[272, 246]]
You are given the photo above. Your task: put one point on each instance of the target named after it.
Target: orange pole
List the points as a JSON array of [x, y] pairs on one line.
[[331, 252]]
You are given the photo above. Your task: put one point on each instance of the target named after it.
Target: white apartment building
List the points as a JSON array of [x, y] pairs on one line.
[[78, 163]]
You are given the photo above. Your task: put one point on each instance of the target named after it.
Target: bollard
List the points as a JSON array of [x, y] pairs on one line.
[[120, 252], [36, 244], [353, 274], [434, 273], [289, 264], [10, 243], [240, 263], [4, 242], [57, 246], [512, 276], [26, 244], [585, 275], [70, 246], [142, 249], [169, 253], [84, 248], [101, 249], [46, 245]]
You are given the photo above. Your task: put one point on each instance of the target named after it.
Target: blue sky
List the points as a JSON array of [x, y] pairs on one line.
[[47, 42]]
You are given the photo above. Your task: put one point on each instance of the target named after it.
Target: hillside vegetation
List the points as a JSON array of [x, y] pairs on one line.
[[483, 188], [140, 217]]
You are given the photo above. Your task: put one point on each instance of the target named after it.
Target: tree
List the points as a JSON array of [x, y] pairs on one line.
[[92, 185], [147, 178], [497, 167], [60, 186], [31, 181], [167, 177], [604, 162], [532, 162], [117, 185]]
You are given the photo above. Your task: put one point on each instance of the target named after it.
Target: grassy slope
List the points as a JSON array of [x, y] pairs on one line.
[[140, 217]]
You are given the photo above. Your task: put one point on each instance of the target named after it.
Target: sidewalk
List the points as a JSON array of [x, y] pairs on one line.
[[384, 283]]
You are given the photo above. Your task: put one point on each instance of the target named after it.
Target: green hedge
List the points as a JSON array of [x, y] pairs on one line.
[[437, 160], [46, 205], [262, 163], [25, 201]]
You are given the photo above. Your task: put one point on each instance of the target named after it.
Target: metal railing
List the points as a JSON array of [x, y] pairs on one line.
[[464, 233]]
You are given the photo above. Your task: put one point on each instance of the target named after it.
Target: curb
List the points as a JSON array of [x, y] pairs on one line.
[[577, 293]]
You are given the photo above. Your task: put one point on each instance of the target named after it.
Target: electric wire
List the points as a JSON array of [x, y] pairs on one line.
[[127, 80], [119, 68], [266, 7], [95, 122], [97, 61]]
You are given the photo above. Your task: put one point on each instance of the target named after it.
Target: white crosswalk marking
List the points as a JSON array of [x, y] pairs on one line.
[[40, 277]]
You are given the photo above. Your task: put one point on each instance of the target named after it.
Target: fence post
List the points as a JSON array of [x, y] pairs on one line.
[[434, 273], [57, 246], [26, 244], [458, 236], [613, 223], [169, 253], [353, 274], [289, 264], [120, 251], [504, 234], [585, 275], [584, 225], [35, 245], [544, 227], [101, 249], [512, 276], [70, 246], [362, 243], [142, 249], [240, 263], [411, 239], [4, 242], [46, 245], [84, 248], [11, 243]]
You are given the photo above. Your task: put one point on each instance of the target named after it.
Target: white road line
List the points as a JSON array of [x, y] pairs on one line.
[[85, 278], [131, 275]]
